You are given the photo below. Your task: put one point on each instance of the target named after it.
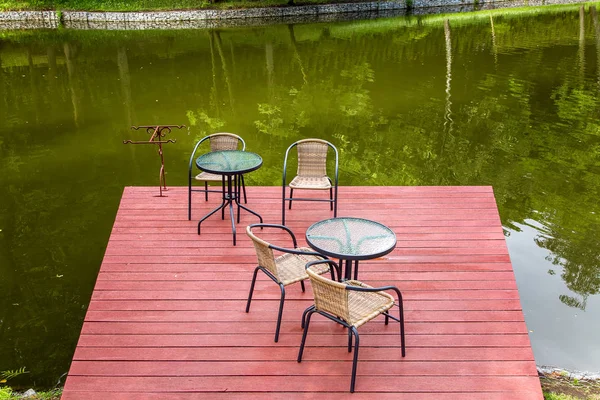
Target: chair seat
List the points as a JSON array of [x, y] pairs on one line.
[[207, 176], [364, 306], [292, 267], [310, 182]]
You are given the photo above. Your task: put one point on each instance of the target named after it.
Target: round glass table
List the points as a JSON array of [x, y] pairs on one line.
[[231, 164], [351, 239]]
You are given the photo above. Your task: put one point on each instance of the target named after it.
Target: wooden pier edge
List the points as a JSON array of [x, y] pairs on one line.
[[166, 319]]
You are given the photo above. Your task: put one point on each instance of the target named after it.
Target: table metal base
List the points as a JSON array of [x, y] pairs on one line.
[[232, 195], [347, 265]]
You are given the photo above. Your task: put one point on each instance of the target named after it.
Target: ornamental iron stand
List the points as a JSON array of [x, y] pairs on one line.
[[157, 132]]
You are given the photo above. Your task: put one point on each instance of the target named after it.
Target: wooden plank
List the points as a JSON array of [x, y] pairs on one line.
[[167, 317], [326, 368], [275, 353], [293, 339], [366, 274], [378, 267], [454, 224], [235, 259], [234, 285], [272, 295], [406, 239], [515, 394], [399, 228], [299, 383], [249, 254], [267, 314], [252, 327], [118, 247], [232, 305]]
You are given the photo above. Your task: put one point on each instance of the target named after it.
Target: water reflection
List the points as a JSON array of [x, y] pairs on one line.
[[504, 100], [576, 329], [576, 254], [448, 122]]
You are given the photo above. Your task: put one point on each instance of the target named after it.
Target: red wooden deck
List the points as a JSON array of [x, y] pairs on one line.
[[167, 320]]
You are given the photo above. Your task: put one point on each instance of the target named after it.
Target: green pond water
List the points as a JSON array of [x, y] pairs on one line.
[[504, 99]]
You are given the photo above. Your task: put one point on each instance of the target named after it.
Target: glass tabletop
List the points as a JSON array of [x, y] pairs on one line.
[[351, 238], [228, 162]]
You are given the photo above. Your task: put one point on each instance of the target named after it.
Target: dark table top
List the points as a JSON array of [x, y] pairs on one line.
[[229, 162], [350, 238]]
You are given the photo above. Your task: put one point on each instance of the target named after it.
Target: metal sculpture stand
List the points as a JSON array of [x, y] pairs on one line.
[[157, 132]]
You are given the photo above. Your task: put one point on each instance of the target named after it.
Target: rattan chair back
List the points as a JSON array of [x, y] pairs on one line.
[[264, 253], [312, 158], [330, 296], [224, 141]]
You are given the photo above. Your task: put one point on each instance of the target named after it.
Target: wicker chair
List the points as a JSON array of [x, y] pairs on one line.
[[284, 270], [312, 173], [218, 142], [351, 304]]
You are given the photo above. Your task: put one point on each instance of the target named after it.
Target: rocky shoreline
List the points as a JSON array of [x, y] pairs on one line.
[[193, 19], [571, 374]]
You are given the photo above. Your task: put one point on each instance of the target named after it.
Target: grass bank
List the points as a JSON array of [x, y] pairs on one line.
[[558, 386], [6, 393], [147, 5]]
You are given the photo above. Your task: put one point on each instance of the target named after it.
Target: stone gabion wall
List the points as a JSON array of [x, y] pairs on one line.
[[28, 19], [254, 16], [217, 18]]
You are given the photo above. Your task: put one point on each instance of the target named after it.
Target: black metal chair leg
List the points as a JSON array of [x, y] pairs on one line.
[[354, 359], [244, 188], [205, 190], [331, 198], [251, 289], [387, 319], [291, 195], [349, 340], [302, 286], [402, 339], [335, 205], [283, 206], [309, 309], [310, 313], [190, 202], [355, 270], [280, 312]]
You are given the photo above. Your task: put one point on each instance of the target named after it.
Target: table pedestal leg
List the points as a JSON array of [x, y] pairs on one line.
[[247, 209], [229, 197], [347, 265], [225, 201], [224, 196]]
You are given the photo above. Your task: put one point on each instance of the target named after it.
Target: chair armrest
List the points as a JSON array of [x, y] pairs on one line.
[[377, 289], [331, 263], [296, 251], [192, 157], [335, 151], [285, 228], [287, 152]]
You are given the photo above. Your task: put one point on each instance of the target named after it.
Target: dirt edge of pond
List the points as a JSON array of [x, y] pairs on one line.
[[560, 382]]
